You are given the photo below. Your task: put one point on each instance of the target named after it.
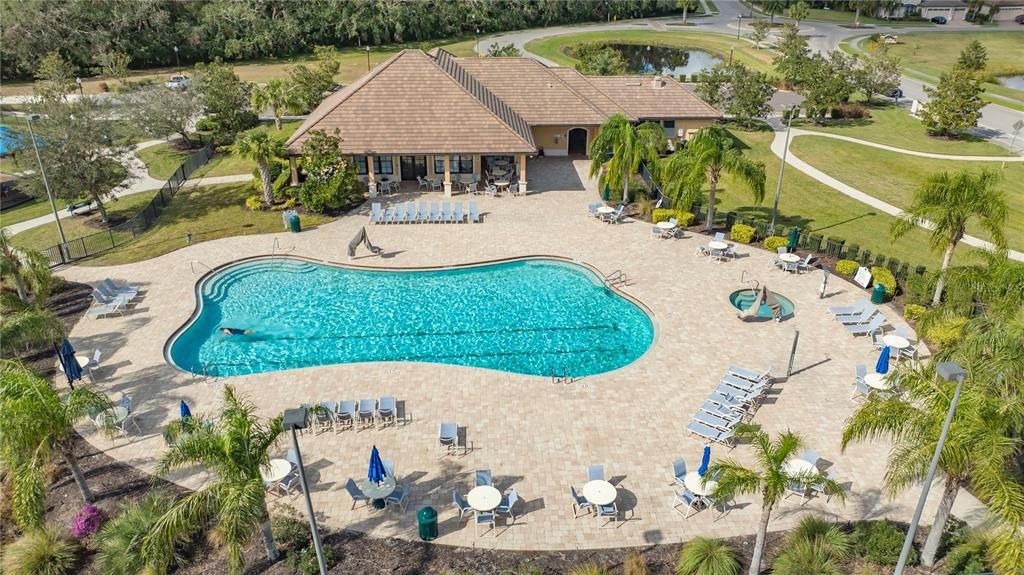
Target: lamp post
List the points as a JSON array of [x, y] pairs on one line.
[[81, 94], [296, 419], [739, 24], [177, 61], [367, 58], [782, 168], [46, 183], [730, 56], [948, 371]]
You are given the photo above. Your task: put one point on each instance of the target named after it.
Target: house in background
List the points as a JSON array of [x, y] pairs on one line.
[[1005, 10], [435, 116], [951, 10]]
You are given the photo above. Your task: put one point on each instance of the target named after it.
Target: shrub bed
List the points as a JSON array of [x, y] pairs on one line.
[[883, 276], [742, 233], [773, 243], [847, 268]]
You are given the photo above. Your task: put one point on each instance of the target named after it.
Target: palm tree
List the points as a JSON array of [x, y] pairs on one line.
[[889, 6], [983, 439], [36, 421], [686, 6], [28, 327], [706, 556], [233, 450], [28, 269], [263, 148], [946, 203], [620, 147], [815, 546], [993, 287], [279, 96], [119, 541], [710, 153], [858, 5], [770, 479]]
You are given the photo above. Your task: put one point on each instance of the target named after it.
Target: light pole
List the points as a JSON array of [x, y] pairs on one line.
[[78, 81], [46, 183], [739, 24], [730, 56], [296, 419], [177, 61], [782, 168], [367, 58], [949, 371]]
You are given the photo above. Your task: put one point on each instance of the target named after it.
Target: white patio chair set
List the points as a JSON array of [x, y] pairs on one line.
[[346, 414], [119, 417], [862, 318], [798, 266], [109, 298], [686, 502], [384, 187], [606, 508], [408, 213], [488, 515], [607, 214], [399, 497], [718, 250], [806, 490], [732, 401]]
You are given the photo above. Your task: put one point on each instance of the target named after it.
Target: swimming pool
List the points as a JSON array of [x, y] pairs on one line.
[[527, 316]]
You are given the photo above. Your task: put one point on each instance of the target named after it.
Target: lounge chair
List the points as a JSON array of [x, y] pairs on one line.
[[474, 213], [423, 184], [346, 416], [728, 401], [595, 472], [398, 497], [121, 290], [679, 471], [579, 503], [111, 297], [367, 409], [805, 266], [460, 504], [742, 384], [399, 213], [864, 316], [747, 397], [448, 435], [482, 518], [423, 215], [483, 477], [863, 329], [435, 215], [98, 309], [710, 433], [457, 213], [854, 309], [750, 374], [507, 503], [410, 212], [389, 215], [356, 494], [376, 217], [862, 371], [446, 212], [386, 409], [687, 498], [713, 420], [721, 411]]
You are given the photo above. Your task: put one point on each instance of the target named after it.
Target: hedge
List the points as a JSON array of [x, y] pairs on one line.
[[683, 217], [741, 233], [773, 243], [913, 312], [883, 276], [847, 267]]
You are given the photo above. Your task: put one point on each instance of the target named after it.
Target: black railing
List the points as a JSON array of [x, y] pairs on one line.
[[99, 242]]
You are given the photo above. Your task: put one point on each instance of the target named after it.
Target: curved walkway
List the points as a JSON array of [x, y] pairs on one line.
[[779, 144], [957, 157]]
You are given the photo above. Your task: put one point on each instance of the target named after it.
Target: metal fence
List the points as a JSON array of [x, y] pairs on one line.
[[99, 242]]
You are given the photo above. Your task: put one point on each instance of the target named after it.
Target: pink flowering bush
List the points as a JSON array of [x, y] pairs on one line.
[[87, 521]]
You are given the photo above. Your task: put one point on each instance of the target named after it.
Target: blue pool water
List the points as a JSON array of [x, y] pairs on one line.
[[528, 317], [743, 299]]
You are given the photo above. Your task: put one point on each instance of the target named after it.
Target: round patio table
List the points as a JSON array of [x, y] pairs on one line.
[[502, 184], [896, 342], [378, 491], [484, 498], [877, 381], [605, 210], [799, 467], [599, 492], [666, 225], [116, 415], [716, 245], [692, 481], [499, 172], [789, 258], [276, 470], [82, 360]]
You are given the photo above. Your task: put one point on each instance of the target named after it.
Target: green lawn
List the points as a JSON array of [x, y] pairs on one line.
[[42, 237], [230, 164], [893, 177], [933, 54], [209, 212], [162, 159], [813, 206], [555, 48], [894, 126], [31, 209]]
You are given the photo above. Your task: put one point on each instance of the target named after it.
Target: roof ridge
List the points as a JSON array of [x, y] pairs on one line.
[[584, 77], [584, 99], [343, 95], [504, 113]]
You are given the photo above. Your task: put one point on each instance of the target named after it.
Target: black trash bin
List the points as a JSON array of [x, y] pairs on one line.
[[878, 294], [427, 521], [294, 225]]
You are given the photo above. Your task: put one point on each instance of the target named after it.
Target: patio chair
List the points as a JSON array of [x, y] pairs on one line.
[[862, 317], [703, 251], [114, 289], [792, 267], [595, 472], [679, 471], [805, 266], [346, 414], [448, 435], [389, 215], [710, 433], [367, 409], [491, 190], [386, 409], [687, 498], [398, 497], [460, 504], [323, 416], [423, 214], [776, 262], [356, 494], [112, 297], [657, 233], [471, 188], [436, 185], [796, 488], [410, 212], [435, 215], [422, 184], [719, 236], [862, 371], [579, 503], [290, 482], [457, 213], [399, 213], [474, 213], [395, 186], [616, 216], [482, 518], [730, 251], [507, 503], [854, 309], [483, 477], [592, 208], [376, 217], [446, 212], [863, 329], [721, 411], [750, 374], [820, 489], [713, 420], [810, 456], [876, 340], [903, 332], [862, 390], [389, 467], [910, 352], [611, 512]]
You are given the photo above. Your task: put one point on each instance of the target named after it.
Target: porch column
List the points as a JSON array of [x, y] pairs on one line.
[[294, 166], [478, 166], [522, 174], [447, 176], [370, 176]]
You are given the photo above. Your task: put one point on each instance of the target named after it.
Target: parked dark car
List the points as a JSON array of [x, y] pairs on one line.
[[939, 20], [896, 93], [1019, 19]]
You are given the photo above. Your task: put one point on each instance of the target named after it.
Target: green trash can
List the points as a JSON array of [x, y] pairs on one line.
[[794, 238], [427, 521], [878, 294], [294, 225]]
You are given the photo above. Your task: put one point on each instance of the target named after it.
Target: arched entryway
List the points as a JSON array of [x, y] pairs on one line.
[[578, 142]]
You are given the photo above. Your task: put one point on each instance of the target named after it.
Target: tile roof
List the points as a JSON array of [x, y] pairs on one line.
[[410, 105], [648, 97]]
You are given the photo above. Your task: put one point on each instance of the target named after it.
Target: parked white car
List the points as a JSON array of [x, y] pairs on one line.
[[178, 81]]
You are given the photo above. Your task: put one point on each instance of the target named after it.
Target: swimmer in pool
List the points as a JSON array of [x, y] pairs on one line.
[[235, 331]]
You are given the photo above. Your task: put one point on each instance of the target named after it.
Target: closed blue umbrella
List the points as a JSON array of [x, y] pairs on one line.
[[883, 361], [68, 362], [705, 460], [376, 473], [185, 411]]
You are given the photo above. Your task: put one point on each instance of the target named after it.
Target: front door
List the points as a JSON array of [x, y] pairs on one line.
[[413, 166], [577, 142]]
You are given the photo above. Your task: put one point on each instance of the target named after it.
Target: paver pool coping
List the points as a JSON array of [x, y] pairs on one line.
[[198, 287]]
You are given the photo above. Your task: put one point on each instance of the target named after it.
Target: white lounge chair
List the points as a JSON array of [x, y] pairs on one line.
[[864, 329], [474, 213], [376, 216], [854, 309], [711, 434]]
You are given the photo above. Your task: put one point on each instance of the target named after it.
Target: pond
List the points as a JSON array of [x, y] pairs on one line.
[[1015, 82], [643, 59]]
